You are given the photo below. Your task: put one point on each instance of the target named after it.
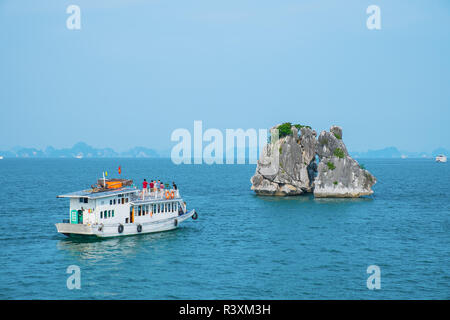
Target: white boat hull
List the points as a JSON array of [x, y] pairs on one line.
[[112, 230]]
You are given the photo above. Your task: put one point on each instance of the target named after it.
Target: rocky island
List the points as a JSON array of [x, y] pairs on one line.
[[295, 161]]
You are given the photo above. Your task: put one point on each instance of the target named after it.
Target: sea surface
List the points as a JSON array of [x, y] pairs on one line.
[[241, 247]]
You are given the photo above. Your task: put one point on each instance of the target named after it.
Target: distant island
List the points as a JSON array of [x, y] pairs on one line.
[[393, 152], [79, 150], [83, 150]]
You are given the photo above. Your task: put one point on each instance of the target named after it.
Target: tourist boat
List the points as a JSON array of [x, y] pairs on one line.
[[441, 158], [1, 157], [115, 207]]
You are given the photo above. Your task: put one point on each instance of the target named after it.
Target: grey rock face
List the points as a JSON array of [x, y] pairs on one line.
[[288, 166], [283, 168], [342, 178], [329, 142]]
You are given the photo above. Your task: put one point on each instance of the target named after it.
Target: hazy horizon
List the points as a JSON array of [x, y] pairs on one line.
[[138, 70]]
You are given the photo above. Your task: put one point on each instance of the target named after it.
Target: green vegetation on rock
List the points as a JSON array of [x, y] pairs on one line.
[[299, 126], [331, 165], [284, 129], [338, 152]]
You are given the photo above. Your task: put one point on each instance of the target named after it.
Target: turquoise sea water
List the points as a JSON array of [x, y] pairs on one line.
[[241, 247]]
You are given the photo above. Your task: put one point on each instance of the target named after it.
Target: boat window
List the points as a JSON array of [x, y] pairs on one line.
[[114, 202], [126, 200], [101, 214], [112, 214], [123, 200], [159, 208], [109, 213], [110, 202], [139, 210]]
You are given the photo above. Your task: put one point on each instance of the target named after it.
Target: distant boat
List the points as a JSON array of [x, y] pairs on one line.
[[79, 156], [403, 156], [1, 157], [441, 158]]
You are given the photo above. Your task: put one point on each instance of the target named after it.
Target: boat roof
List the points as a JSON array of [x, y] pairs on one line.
[[90, 194]]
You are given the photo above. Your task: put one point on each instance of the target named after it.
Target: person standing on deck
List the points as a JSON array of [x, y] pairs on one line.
[[154, 189], [157, 187], [151, 185], [175, 188], [144, 187]]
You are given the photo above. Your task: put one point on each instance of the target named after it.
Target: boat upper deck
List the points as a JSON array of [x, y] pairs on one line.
[[91, 194], [137, 195]]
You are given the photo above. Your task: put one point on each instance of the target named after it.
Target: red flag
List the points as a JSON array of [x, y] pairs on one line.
[[120, 170]]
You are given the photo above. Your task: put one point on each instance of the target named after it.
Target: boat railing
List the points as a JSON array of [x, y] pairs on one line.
[[156, 195]]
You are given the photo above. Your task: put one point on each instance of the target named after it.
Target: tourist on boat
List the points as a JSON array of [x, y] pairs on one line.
[[144, 186], [175, 188], [151, 185]]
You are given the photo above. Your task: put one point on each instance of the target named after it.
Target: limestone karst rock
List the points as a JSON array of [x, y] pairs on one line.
[[288, 165], [285, 164]]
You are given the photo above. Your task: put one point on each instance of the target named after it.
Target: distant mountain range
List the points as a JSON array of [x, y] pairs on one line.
[[392, 152], [83, 150], [79, 150]]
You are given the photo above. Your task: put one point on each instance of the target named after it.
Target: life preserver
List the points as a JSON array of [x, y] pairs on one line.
[[172, 194], [195, 216], [139, 228], [175, 222], [120, 228], [167, 194]]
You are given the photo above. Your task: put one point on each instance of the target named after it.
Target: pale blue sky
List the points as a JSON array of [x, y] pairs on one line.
[[137, 70]]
